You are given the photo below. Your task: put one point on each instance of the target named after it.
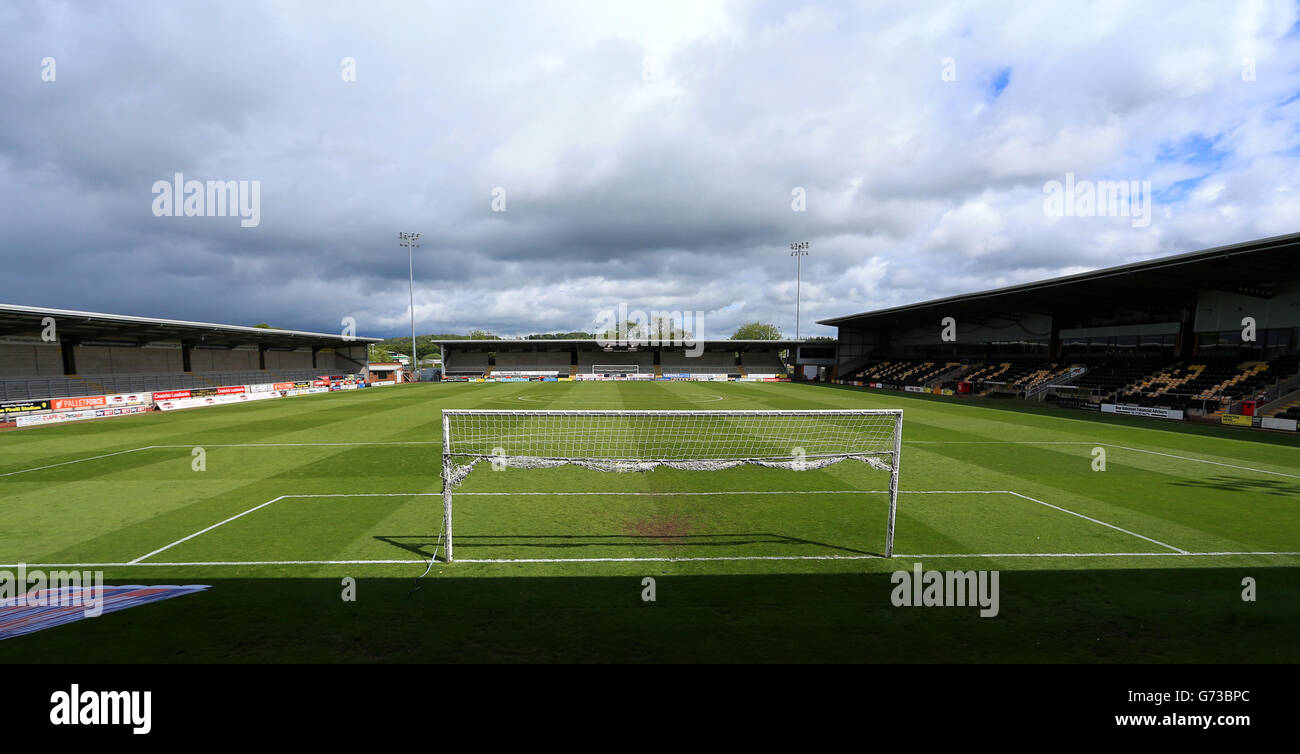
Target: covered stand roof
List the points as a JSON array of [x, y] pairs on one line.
[[1254, 268], [81, 326]]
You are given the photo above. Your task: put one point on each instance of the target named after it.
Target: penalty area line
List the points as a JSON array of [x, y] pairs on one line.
[[164, 548], [1178, 550]]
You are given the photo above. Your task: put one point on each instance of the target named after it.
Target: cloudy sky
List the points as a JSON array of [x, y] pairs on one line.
[[561, 158]]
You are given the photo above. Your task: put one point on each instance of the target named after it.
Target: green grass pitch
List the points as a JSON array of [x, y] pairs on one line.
[[1141, 562]]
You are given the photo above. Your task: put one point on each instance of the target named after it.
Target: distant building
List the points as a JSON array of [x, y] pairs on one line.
[[389, 371]]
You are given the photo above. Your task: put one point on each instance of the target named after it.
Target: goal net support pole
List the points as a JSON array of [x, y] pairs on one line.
[[626, 441]]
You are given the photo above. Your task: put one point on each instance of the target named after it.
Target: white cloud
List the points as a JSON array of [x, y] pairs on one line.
[[670, 193]]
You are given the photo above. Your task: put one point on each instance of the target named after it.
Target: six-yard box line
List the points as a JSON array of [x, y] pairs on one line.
[[1173, 551]]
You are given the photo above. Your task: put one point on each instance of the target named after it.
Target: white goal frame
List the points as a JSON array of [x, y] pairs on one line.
[[615, 369], [884, 452]]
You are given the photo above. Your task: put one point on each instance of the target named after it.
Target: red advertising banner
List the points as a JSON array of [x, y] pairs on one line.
[[232, 390], [169, 394], [72, 404]]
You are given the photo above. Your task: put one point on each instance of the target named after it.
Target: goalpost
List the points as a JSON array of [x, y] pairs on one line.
[[615, 369], [624, 441]]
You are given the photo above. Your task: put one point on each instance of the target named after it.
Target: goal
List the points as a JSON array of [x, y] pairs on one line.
[[615, 369], [627, 441]]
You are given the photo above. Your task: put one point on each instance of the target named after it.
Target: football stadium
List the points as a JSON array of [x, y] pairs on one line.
[[1115, 451]]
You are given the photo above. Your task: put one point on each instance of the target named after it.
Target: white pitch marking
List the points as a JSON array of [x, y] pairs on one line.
[[620, 404], [138, 560], [666, 559], [658, 494], [203, 531], [299, 444], [1099, 521], [225, 445], [78, 460], [897, 556], [1179, 554], [1101, 444], [1213, 463]]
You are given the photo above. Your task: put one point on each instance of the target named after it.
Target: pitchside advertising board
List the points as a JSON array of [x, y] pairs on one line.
[[1151, 412], [15, 408], [67, 416]]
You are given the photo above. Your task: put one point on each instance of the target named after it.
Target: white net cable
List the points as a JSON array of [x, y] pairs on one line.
[[639, 441]]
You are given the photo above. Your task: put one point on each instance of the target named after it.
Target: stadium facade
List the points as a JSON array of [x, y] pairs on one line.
[[1212, 335], [577, 359], [58, 364]]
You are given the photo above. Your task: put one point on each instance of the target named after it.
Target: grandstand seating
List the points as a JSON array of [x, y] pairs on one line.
[[913, 373], [1206, 382], [1106, 377], [466, 364], [532, 363], [762, 362], [1018, 375], [709, 362], [1289, 412]]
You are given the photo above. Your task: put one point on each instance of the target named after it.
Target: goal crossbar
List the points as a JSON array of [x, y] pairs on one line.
[[627, 441]]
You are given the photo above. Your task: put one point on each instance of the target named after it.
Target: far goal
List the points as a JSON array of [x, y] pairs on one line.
[[639, 441], [615, 369]]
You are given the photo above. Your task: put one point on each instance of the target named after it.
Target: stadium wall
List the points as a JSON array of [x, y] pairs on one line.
[[30, 359]]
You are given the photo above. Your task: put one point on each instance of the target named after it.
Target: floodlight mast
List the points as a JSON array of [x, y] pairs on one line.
[[411, 242], [798, 251]]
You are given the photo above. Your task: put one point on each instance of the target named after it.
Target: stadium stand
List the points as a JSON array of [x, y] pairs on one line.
[[99, 354], [1105, 378], [1204, 335], [708, 362], [576, 358], [1026, 375], [465, 363], [1207, 383], [762, 362], [531, 364], [906, 373], [644, 361]]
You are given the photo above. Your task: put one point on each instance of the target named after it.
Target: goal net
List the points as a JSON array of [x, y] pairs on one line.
[[639, 441], [614, 369]]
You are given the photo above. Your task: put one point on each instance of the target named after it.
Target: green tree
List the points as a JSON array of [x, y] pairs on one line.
[[757, 331]]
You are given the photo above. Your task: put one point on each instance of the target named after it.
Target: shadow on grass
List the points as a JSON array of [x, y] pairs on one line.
[[492, 614], [545, 545], [1243, 484]]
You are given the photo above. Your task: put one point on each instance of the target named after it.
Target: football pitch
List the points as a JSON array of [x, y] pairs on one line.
[[1116, 540]]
